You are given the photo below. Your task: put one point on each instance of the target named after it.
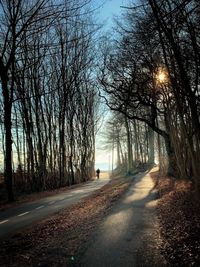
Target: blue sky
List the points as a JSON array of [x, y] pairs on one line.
[[105, 13], [109, 9]]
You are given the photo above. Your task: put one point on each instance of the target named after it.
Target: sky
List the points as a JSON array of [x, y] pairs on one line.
[[108, 9], [106, 12]]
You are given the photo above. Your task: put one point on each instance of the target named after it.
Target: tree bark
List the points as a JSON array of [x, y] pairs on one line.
[[8, 140], [129, 146], [151, 158], [171, 156]]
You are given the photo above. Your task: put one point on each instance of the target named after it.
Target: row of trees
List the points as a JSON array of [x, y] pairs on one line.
[[150, 73], [48, 99], [132, 141]]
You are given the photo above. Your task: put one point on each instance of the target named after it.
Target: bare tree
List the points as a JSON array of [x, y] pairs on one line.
[[49, 97]]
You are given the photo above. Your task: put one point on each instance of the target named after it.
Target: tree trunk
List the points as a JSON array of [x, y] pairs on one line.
[[136, 141], [8, 139], [151, 156], [171, 156], [129, 146], [118, 152]]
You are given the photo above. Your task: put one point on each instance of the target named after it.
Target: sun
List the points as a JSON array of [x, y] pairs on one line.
[[161, 76]]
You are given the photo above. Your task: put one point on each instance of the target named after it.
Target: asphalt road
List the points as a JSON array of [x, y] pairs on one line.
[[16, 218], [129, 235]]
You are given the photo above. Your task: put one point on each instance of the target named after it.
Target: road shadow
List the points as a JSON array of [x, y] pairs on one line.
[[129, 235]]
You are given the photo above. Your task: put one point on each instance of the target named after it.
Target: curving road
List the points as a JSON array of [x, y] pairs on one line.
[[16, 218]]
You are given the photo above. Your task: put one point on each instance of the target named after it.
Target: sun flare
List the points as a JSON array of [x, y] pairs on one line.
[[161, 76]]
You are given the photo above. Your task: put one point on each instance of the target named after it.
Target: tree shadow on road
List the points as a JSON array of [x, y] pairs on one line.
[[129, 235]]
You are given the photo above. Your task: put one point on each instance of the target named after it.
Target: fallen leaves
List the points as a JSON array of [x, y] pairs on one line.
[[179, 217]]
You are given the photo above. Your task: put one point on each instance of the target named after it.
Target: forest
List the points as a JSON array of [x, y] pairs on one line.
[[56, 69], [48, 96], [150, 76]]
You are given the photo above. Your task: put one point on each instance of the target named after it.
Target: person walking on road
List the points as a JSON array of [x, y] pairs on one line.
[[97, 173]]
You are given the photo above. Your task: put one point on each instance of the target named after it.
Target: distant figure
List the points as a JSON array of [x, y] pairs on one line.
[[97, 173]]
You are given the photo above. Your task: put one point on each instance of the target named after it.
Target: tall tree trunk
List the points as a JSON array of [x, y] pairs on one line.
[[136, 141], [171, 156], [118, 151], [151, 156], [129, 146], [8, 139]]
